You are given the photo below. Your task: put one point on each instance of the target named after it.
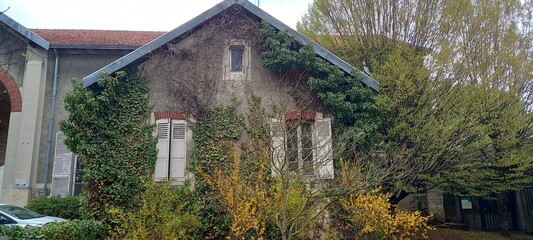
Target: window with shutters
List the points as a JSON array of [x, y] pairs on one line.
[[171, 150], [302, 146]]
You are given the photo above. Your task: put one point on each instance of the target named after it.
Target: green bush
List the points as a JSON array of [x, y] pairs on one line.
[[63, 207], [164, 212], [75, 230]]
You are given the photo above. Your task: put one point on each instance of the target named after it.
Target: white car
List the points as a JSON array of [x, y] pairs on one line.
[[17, 216]]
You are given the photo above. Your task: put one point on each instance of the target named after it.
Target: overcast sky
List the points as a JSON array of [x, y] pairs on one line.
[[151, 15]]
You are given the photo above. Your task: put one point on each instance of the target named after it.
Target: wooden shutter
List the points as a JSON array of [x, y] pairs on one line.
[[61, 175], [178, 150], [278, 145], [323, 154], [162, 132]]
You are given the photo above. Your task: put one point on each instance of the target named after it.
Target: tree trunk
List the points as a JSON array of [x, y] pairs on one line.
[[396, 198], [503, 215]]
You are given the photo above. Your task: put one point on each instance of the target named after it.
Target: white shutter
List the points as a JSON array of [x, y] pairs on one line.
[[178, 150], [62, 167], [323, 154], [162, 132], [278, 145]]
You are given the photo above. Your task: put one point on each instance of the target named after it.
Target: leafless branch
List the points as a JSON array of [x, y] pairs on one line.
[[2, 12]]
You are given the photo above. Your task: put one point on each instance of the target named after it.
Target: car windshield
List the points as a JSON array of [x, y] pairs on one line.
[[18, 212]]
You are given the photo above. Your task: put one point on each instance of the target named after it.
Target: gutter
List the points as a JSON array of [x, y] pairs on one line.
[[94, 47], [51, 127]]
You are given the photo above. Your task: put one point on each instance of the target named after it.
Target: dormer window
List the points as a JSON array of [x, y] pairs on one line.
[[236, 60]]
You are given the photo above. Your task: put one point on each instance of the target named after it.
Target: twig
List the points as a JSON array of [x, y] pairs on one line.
[[2, 12]]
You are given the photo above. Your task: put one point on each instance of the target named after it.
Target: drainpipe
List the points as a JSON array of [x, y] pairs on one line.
[[51, 127]]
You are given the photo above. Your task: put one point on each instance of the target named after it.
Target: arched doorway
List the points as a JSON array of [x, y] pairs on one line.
[[10, 101]]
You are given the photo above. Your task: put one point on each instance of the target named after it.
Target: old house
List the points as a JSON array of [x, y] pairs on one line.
[[212, 59], [205, 62], [208, 61]]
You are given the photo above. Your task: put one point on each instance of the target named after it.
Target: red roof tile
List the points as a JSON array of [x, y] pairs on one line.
[[97, 37]]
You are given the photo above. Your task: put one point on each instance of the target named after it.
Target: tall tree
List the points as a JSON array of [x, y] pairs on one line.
[[449, 72], [390, 41], [492, 53]]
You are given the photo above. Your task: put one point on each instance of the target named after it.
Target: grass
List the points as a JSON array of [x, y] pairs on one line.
[[456, 234]]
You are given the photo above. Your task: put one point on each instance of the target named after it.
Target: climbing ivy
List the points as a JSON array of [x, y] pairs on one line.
[[353, 104], [219, 133], [214, 137], [108, 129]]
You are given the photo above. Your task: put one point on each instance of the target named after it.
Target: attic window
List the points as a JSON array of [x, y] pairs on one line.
[[236, 57]]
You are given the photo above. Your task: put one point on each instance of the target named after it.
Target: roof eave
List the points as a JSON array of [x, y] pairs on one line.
[[162, 40], [94, 47], [155, 44], [31, 36], [322, 52]]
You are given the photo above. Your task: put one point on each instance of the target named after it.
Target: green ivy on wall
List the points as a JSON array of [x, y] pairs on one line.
[[353, 104], [108, 128]]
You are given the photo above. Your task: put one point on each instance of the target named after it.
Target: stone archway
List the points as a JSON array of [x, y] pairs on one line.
[[12, 89], [10, 101]]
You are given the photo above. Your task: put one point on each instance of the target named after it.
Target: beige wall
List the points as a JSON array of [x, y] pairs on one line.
[[192, 73], [73, 64], [23, 139], [33, 70]]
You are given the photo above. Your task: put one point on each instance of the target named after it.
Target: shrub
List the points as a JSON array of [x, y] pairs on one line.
[[371, 217], [122, 152], [245, 197], [63, 207], [69, 230], [165, 212]]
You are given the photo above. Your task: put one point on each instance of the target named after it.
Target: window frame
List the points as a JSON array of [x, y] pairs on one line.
[[302, 158], [283, 140]]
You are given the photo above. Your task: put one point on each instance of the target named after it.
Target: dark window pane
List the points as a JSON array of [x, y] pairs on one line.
[[236, 59], [292, 149], [307, 147]]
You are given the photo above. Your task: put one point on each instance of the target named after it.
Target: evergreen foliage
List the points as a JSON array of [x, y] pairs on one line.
[[67, 207], [353, 104], [214, 137], [165, 212], [108, 129], [457, 83], [68, 230], [435, 75]]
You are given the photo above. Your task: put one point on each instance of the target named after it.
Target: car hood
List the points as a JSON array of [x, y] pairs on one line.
[[40, 221]]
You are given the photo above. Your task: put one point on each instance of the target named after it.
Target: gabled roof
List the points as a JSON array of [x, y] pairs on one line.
[[17, 27], [162, 40], [108, 39]]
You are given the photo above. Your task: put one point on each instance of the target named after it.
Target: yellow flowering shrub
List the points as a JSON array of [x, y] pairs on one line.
[[245, 196], [372, 218]]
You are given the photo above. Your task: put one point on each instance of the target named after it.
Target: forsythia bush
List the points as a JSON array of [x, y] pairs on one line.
[[371, 215], [164, 213], [246, 198]]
